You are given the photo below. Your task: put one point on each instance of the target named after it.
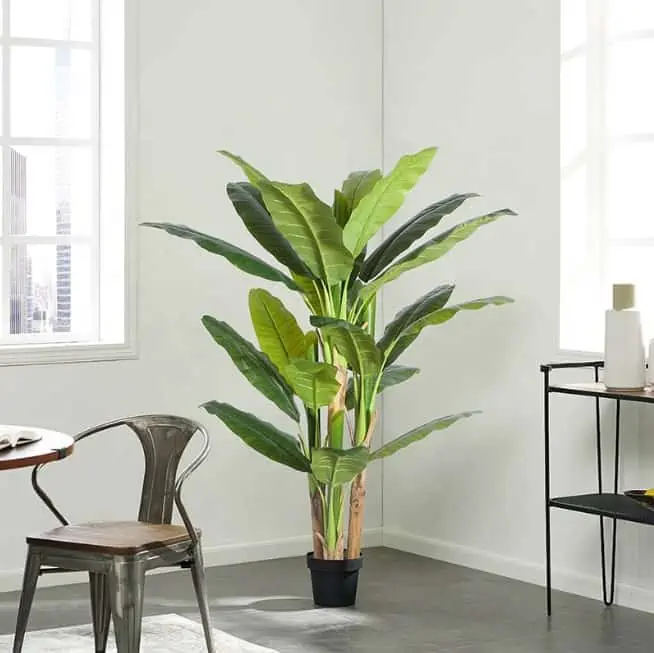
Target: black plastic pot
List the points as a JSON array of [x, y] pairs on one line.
[[334, 582]]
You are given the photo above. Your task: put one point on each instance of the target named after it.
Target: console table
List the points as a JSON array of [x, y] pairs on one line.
[[610, 505]]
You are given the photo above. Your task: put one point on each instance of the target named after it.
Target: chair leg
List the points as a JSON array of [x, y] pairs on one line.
[[30, 578], [100, 610], [200, 584], [126, 585]]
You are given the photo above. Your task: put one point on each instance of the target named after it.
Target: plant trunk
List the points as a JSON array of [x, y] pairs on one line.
[[357, 506], [317, 524], [336, 409]]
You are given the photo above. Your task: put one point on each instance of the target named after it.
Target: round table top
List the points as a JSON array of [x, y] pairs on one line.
[[51, 446]]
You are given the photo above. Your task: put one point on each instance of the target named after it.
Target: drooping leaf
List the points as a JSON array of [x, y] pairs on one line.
[[418, 434], [436, 317], [355, 188], [235, 255], [340, 208], [254, 176], [403, 237], [382, 202], [432, 301], [278, 333], [338, 466], [261, 436], [255, 366], [314, 383], [310, 228], [431, 250], [358, 347], [392, 375], [248, 202]]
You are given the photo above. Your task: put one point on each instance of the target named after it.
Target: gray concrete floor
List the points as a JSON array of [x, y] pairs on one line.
[[407, 604]]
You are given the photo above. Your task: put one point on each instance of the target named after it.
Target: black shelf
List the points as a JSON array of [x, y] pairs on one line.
[[617, 506]]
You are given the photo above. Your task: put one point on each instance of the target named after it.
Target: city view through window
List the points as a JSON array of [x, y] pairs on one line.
[[51, 161]]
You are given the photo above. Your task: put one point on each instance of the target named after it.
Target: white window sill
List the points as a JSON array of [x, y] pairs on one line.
[[52, 353]]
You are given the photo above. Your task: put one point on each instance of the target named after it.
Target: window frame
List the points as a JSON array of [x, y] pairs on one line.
[[595, 157], [60, 348]]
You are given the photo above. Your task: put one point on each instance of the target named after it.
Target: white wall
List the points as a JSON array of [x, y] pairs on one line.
[[292, 86], [481, 79]]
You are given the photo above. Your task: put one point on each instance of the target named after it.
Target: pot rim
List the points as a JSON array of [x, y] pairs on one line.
[[347, 565]]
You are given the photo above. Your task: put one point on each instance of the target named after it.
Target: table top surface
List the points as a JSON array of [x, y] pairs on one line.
[[600, 390], [52, 446]]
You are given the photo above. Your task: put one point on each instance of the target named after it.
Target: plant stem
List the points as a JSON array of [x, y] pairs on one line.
[[357, 505], [317, 520]]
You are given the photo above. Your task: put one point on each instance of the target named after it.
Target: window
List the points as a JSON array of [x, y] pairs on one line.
[[607, 163], [62, 260]]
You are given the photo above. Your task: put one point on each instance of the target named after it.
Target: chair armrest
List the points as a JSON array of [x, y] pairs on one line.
[[200, 458], [41, 493]]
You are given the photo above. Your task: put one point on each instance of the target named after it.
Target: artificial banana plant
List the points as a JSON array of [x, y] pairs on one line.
[[326, 380]]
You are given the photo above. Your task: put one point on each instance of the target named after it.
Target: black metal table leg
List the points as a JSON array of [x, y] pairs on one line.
[[548, 534], [608, 593]]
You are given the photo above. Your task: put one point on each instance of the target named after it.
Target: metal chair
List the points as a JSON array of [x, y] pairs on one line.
[[118, 554]]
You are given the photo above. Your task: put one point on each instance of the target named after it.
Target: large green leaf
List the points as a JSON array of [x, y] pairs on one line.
[[403, 237], [354, 343], [255, 176], [380, 204], [431, 250], [418, 434], [413, 330], [392, 375], [314, 383], [355, 188], [432, 301], [261, 436], [255, 366], [235, 255], [248, 202], [310, 228], [338, 466], [278, 333]]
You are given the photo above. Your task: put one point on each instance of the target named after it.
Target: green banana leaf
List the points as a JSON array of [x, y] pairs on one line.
[[354, 343], [278, 333], [357, 185], [310, 228], [340, 208], [338, 466], [314, 383], [255, 366], [380, 204], [308, 289], [431, 250], [418, 434], [392, 375], [261, 436], [412, 331], [403, 237], [248, 202], [254, 176], [432, 301], [235, 255]]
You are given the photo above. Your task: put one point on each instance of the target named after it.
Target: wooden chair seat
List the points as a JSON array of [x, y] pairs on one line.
[[116, 538]]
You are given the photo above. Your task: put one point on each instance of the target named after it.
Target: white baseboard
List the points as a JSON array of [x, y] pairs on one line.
[[214, 556], [565, 580]]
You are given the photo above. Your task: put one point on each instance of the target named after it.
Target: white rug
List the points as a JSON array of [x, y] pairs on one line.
[[163, 634]]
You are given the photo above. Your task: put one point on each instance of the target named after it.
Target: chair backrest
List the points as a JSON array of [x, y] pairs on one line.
[[164, 439]]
